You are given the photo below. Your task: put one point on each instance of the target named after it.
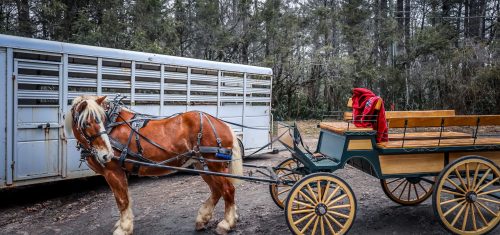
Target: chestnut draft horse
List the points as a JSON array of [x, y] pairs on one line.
[[159, 140]]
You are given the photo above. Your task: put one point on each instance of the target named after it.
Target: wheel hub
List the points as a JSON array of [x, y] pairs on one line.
[[471, 197], [321, 209], [414, 180]]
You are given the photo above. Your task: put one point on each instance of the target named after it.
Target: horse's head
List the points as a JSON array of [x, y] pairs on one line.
[[86, 120]]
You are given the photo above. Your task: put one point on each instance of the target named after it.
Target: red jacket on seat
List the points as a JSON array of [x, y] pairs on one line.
[[363, 106]]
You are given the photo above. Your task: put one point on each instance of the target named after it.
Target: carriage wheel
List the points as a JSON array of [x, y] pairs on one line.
[[242, 148], [467, 196], [279, 193], [320, 203], [408, 191]]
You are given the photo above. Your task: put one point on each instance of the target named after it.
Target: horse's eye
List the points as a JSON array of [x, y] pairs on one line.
[[97, 120]]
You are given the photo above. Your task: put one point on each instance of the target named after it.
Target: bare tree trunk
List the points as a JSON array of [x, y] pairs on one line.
[[23, 16], [482, 7]]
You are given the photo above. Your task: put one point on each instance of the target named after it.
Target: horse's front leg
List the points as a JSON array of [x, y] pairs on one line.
[[207, 209], [230, 215], [117, 181]]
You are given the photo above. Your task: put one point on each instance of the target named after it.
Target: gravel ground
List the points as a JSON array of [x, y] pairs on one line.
[[168, 205]]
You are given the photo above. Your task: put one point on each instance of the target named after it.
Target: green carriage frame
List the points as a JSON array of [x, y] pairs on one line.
[[333, 152]]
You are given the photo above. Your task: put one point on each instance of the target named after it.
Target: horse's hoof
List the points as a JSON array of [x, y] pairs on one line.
[[223, 228], [200, 226]]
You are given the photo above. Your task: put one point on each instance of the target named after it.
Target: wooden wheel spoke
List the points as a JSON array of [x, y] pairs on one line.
[[335, 220], [307, 197], [488, 192], [425, 190], [392, 181], [451, 192], [451, 200], [488, 200], [321, 224], [467, 176], [302, 211], [455, 185], [336, 200], [319, 191], [284, 191], [325, 193], [402, 191], [474, 224], [476, 171], [332, 194], [409, 191], [304, 218], [304, 204], [486, 208], [453, 208], [330, 224], [458, 215], [308, 224], [416, 193], [488, 184], [339, 214], [399, 185], [315, 226], [482, 179], [459, 176], [339, 207], [312, 193], [464, 222], [480, 214]]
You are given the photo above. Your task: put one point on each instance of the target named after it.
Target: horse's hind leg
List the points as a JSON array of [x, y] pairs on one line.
[[230, 216], [207, 209], [117, 181]]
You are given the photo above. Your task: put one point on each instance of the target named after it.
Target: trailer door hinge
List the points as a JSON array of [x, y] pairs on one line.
[[12, 165], [13, 77]]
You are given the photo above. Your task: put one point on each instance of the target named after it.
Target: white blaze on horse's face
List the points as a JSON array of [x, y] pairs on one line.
[[105, 152]]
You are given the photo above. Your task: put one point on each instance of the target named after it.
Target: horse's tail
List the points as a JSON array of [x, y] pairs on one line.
[[236, 165]]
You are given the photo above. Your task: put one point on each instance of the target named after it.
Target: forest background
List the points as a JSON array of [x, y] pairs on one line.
[[416, 54]]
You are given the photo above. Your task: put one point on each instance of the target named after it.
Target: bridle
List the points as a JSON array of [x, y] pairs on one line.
[[88, 138]]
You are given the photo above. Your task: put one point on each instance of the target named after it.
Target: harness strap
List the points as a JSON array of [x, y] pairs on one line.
[[124, 153], [200, 134], [215, 132]]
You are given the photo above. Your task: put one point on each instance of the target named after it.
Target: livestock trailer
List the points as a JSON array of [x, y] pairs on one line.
[[39, 79]]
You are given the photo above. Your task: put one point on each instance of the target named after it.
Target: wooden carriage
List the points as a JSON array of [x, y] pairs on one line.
[[429, 153]]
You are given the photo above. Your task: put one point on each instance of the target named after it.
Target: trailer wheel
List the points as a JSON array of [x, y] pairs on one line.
[[466, 198], [320, 203], [279, 193], [408, 191]]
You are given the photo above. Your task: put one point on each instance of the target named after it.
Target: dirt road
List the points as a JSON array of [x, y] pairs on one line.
[[168, 205]]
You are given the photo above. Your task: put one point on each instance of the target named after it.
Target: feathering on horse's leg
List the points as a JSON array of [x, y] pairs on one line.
[[207, 209], [230, 217], [117, 181]]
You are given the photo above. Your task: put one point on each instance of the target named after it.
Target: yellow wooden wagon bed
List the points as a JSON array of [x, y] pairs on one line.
[[453, 158]]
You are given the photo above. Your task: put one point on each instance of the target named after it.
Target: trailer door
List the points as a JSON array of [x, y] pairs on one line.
[[37, 114]]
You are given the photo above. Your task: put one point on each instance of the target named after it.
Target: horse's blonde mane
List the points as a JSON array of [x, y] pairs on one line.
[[93, 110]]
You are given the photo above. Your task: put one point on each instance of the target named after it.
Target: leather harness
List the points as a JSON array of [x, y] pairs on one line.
[[139, 121]]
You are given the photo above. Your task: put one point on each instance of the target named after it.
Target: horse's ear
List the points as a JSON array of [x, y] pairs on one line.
[[100, 99]]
